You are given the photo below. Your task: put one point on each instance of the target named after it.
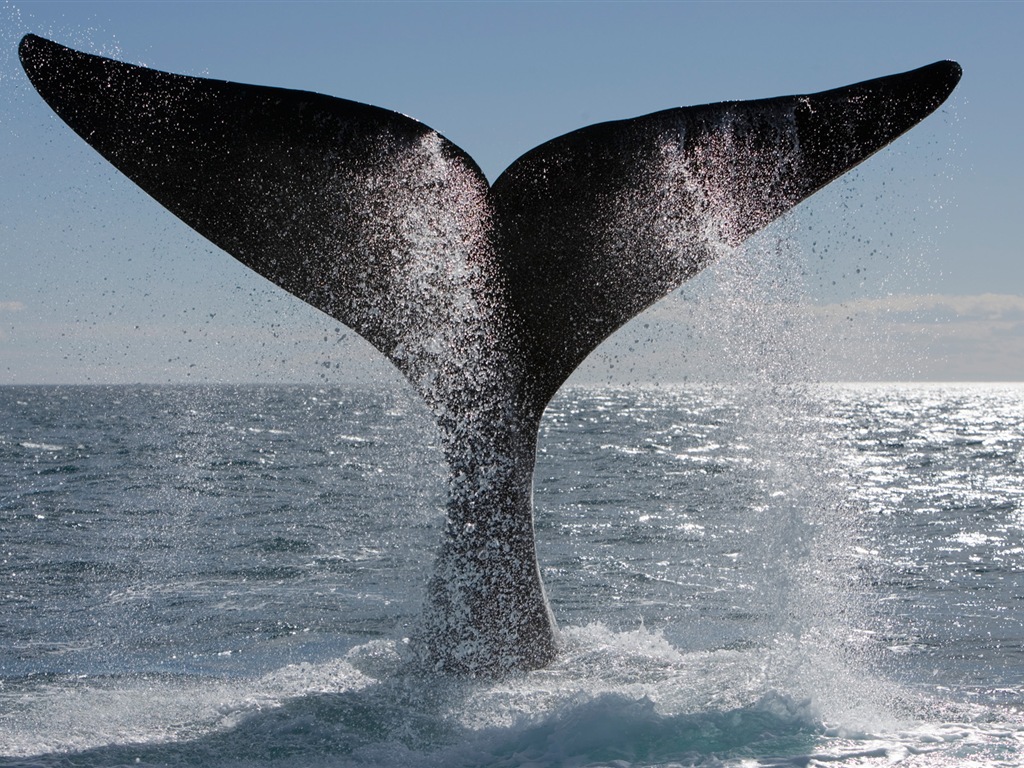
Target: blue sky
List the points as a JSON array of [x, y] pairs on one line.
[[920, 272]]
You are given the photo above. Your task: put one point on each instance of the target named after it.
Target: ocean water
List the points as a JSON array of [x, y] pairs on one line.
[[781, 576]]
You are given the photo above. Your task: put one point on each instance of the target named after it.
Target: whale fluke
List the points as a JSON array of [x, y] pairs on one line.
[[486, 297], [604, 221]]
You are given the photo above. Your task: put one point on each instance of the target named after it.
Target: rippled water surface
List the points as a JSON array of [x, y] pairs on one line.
[[226, 576]]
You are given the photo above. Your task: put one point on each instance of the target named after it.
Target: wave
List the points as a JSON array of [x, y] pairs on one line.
[[624, 699]]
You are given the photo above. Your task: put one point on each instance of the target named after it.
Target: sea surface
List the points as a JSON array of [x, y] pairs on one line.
[[771, 576]]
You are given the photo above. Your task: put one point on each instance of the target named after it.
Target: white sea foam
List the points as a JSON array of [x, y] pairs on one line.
[[614, 698], [52, 447]]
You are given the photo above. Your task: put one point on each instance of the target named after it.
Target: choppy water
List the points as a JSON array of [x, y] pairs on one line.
[[225, 576]]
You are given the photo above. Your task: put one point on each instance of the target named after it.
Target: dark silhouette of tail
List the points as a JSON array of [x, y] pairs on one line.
[[486, 297]]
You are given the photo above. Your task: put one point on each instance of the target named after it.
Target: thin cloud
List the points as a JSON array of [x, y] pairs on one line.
[[926, 337], [992, 307], [11, 306], [943, 337]]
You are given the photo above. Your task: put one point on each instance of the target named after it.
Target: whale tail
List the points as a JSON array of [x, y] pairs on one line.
[[385, 225], [486, 297]]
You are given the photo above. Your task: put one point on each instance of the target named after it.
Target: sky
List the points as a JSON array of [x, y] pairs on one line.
[[909, 268]]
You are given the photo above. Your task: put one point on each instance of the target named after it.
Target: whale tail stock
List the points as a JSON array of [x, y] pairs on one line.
[[486, 297]]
